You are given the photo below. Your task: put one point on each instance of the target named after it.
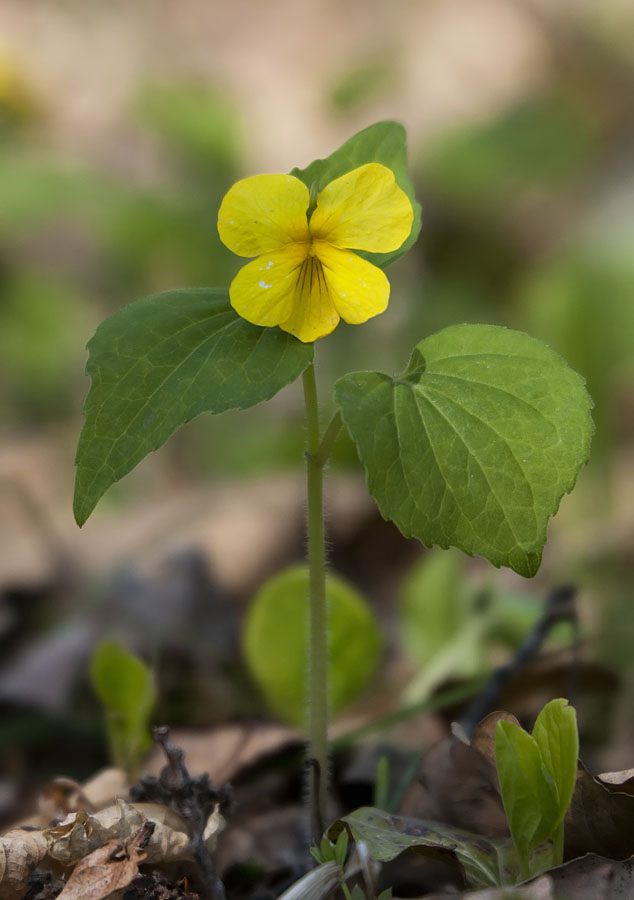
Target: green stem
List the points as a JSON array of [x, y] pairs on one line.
[[558, 846], [317, 619], [330, 436]]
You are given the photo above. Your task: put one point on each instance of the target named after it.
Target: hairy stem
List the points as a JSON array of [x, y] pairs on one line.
[[317, 620]]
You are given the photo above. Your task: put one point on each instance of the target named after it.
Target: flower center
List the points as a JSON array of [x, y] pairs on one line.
[[311, 282]]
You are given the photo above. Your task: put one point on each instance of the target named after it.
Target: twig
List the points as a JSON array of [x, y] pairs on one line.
[[195, 799], [560, 607]]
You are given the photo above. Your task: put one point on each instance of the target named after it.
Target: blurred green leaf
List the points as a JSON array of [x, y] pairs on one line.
[[126, 688], [42, 320], [439, 627], [361, 84], [140, 235], [546, 140], [512, 616], [149, 236], [582, 305], [36, 189], [474, 445], [197, 121], [461, 657], [275, 642], [159, 362], [433, 604], [385, 143]]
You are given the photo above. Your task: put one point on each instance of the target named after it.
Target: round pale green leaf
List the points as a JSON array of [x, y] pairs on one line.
[[156, 364], [475, 444], [276, 649], [384, 143]]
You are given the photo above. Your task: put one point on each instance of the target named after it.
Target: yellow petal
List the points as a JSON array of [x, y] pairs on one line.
[[263, 291], [313, 314], [263, 213], [363, 210], [358, 290]]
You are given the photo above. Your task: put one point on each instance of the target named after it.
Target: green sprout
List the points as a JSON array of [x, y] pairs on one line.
[[537, 776], [125, 686]]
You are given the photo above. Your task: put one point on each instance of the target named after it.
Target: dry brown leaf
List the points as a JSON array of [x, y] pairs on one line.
[[587, 878], [214, 825], [540, 889], [109, 868], [600, 819], [483, 739], [551, 675], [20, 852], [80, 834], [593, 878], [60, 797], [223, 751], [622, 782], [458, 785], [156, 812], [170, 840], [273, 840], [106, 786]]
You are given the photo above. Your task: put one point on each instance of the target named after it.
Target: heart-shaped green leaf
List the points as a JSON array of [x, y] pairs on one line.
[[156, 364], [475, 444]]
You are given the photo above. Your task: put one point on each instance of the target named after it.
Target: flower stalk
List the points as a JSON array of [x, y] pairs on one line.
[[317, 616]]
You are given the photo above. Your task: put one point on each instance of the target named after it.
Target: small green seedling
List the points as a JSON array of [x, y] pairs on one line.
[[382, 784], [329, 852], [537, 777], [125, 686]]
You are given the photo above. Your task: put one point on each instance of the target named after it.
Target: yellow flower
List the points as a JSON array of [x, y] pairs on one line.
[[305, 277]]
